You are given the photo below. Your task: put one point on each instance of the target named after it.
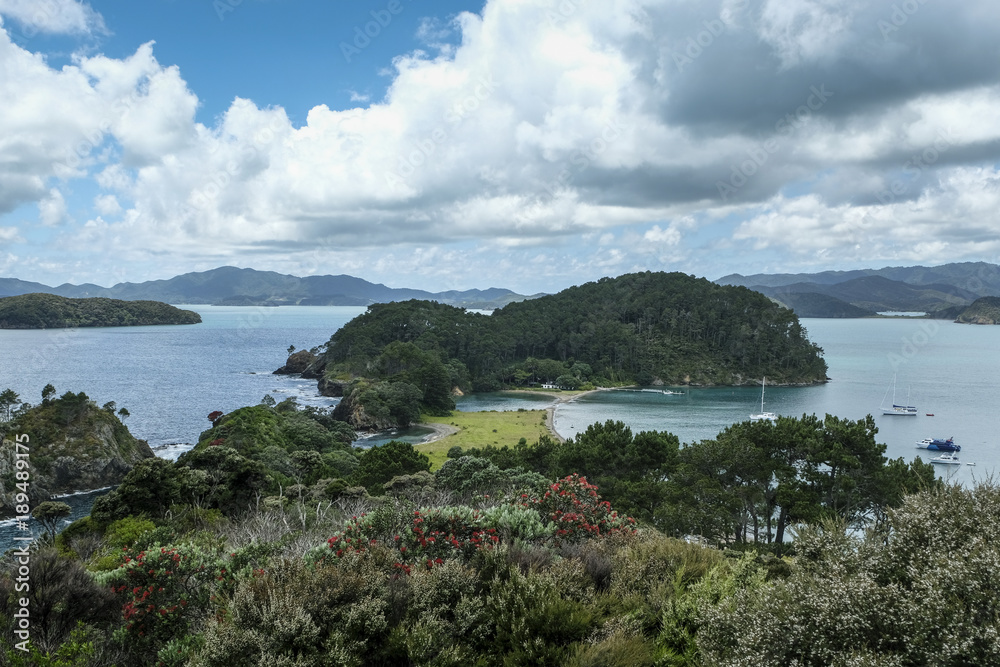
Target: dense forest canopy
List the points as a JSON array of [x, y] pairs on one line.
[[48, 311], [641, 328]]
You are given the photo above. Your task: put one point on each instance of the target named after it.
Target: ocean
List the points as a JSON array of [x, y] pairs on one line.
[[170, 378]]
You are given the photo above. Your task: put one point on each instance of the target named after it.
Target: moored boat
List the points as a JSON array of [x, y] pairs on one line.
[[939, 445], [947, 459], [762, 415], [897, 410]]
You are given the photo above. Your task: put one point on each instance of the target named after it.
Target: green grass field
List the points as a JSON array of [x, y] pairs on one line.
[[478, 429]]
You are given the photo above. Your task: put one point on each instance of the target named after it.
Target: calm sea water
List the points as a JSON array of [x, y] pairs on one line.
[[948, 370], [170, 378]]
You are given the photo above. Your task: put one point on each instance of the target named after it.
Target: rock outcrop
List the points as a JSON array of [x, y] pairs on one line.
[[73, 445], [298, 363]]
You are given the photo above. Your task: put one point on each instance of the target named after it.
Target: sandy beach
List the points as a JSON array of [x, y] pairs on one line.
[[440, 431]]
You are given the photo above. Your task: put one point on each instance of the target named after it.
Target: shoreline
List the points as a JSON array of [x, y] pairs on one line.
[[439, 432], [550, 412]]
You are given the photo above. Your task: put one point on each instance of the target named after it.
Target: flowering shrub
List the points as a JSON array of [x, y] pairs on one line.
[[575, 511], [165, 591], [431, 535], [571, 507]]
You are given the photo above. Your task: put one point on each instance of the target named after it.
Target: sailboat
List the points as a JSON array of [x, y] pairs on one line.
[[763, 416], [900, 410]]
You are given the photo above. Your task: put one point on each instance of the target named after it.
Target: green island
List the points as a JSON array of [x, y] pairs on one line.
[[48, 311], [401, 359]]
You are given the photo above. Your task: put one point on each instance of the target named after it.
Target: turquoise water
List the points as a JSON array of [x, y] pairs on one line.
[[949, 370], [171, 377]]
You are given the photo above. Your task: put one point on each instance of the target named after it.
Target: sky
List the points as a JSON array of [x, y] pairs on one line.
[[525, 144]]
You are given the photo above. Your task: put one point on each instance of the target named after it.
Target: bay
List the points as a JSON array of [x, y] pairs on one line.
[[171, 377], [948, 370]]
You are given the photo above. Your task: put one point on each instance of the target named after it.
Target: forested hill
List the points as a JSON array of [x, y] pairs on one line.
[[48, 311], [641, 328]]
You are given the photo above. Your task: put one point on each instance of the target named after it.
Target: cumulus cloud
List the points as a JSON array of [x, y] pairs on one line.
[[52, 209], [52, 16], [804, 125]]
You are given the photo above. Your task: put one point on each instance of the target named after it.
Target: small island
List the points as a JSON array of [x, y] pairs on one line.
[[400, 360], [48, 311]]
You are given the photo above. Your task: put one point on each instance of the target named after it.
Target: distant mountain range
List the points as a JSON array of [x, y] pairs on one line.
[[229, 285], [941, 291]]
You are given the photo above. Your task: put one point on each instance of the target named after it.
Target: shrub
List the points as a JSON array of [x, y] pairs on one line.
[[165, 592]]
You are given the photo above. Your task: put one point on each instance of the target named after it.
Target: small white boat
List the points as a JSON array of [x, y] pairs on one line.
[[668, 392], [947, 459], [763, 416]]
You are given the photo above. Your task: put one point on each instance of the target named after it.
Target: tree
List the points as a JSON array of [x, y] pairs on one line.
[[48, 391], [9, 400], [380, 464], [50, 514], [629, 470], [109, 407], [921, 591], [268, 401], [124, 414]]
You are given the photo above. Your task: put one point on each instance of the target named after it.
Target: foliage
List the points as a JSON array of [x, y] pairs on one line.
[[756, 479], [48, 311], [368, 405], [379, 464], [471, 476], [635, 327], [165, 592], [576, 511], [50, 514], [921, 591], [60, 594]]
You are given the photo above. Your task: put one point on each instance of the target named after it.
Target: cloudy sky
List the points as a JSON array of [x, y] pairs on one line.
[[528, 144]]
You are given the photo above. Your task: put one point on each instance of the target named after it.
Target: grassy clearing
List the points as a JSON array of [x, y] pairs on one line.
[[478, 429]]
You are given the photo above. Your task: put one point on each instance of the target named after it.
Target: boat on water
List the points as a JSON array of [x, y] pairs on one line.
[[762, 415], [947, 459], [939, 445], [896, 409], [670, 392]]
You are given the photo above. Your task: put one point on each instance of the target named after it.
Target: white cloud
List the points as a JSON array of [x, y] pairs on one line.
[[543, 123], [9, 235], [52, 16], [107, 205], [52, 209], [668, 236]]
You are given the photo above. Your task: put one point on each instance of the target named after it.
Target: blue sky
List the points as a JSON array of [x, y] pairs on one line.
[[528, 144]]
